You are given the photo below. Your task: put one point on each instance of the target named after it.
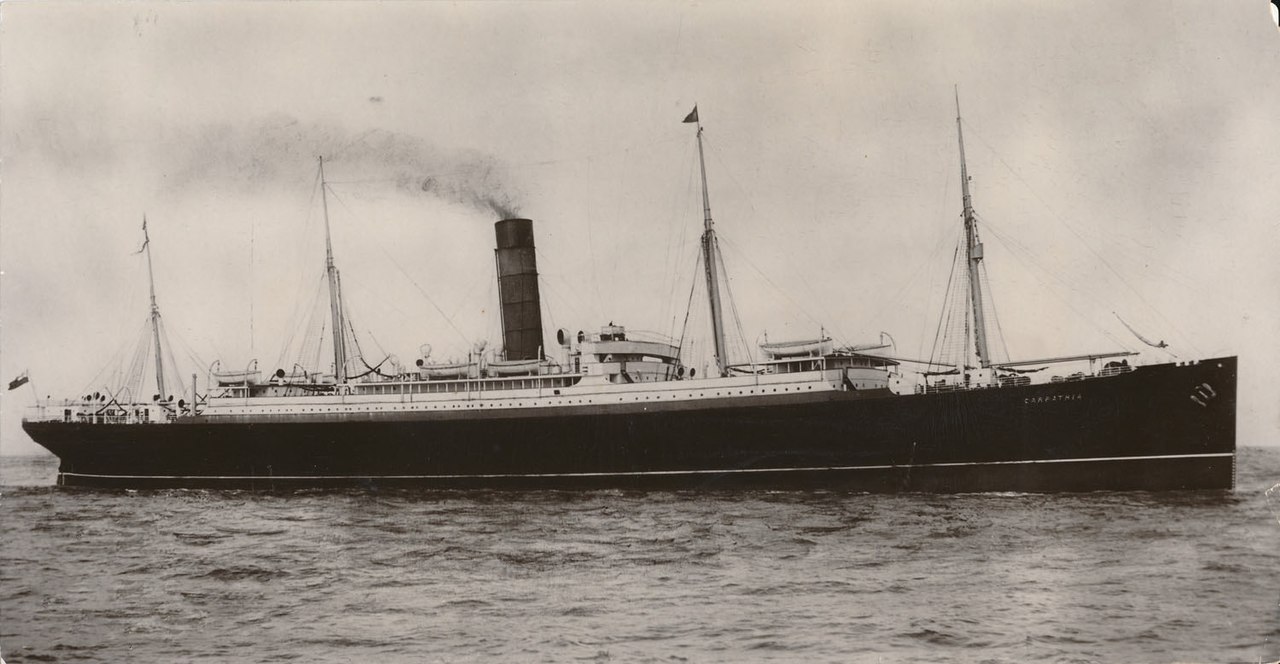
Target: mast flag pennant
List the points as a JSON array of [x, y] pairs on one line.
[[145, 237], [692, 116], [21, 380]]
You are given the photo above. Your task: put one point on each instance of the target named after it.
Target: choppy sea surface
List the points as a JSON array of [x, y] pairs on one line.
[[167, 576]]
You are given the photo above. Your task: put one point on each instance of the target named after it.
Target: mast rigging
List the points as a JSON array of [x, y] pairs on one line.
[[973, 254], [155, 311], [710, 254], [335, 292]]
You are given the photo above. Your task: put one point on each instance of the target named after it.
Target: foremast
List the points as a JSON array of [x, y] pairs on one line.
[[335, 291], [710, 258], [973, 255], [155, 311]]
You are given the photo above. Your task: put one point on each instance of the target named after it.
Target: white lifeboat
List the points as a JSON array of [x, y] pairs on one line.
[[229, 378], [444, 370], [513, 367], [802, 348]]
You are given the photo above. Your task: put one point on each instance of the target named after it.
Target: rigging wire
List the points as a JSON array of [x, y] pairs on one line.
[[299, 298], [839, 335], [678, 236], [991, 299], [935, 351], [313, 334], [113, 364], [932, 261], [405, 272], [733, 306], [176, 377], [1029, 259], [689, 305], [739, 254], [574, 312], [466, 300], [140, 361], [591, 251], [192, 355], [316, 362], [1160, 344], [545, 303], [350, 331], [252, 227], [303, 345], [926, 267], [354, 285], [112, 370], [1087, 246]]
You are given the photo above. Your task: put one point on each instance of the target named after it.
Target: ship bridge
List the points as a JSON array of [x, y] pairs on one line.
[[615, 357]]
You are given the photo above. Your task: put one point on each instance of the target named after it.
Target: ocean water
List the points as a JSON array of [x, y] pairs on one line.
[[174, 576]]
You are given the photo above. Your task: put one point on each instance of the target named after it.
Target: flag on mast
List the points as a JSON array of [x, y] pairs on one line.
[[22, 379], [693, 115], [145, 238]]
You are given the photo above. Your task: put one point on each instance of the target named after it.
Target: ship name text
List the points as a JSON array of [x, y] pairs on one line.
[[1052, 397]]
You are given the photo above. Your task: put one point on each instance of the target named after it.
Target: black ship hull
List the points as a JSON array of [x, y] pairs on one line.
[[1164, 427]]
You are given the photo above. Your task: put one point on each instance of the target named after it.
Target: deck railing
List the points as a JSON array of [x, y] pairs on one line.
[[79, 411]]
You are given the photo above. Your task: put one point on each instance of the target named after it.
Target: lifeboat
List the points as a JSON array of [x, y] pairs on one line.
[[444, 370], [513, 367], [804, 348], [228, 378]]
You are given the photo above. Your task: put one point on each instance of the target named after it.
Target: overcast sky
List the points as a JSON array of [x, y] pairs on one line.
[[1124, 158]]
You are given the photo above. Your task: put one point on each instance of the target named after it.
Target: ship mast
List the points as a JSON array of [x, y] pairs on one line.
[[335, 296], [155, 311], [710, 258], [973, 253]]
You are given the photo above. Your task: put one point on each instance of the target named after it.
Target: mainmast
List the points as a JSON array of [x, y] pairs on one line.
[[155, 311], [335, 291], [973, 252], [710, 258]]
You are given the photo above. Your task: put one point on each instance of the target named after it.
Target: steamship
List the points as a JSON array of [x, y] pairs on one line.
[[616, 409]]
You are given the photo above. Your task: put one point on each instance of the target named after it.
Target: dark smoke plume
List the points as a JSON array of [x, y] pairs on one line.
[[276, 151], [476, 185]]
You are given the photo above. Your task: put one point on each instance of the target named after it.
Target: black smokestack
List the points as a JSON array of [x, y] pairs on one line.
[[518, 289]]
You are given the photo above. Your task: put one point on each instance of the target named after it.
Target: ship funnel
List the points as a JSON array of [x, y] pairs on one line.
[[518, 289]]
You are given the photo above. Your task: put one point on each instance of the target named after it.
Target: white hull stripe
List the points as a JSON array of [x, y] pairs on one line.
[[634, 473]]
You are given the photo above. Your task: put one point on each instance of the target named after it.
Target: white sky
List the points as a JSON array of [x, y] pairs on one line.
[[1131, 148]]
